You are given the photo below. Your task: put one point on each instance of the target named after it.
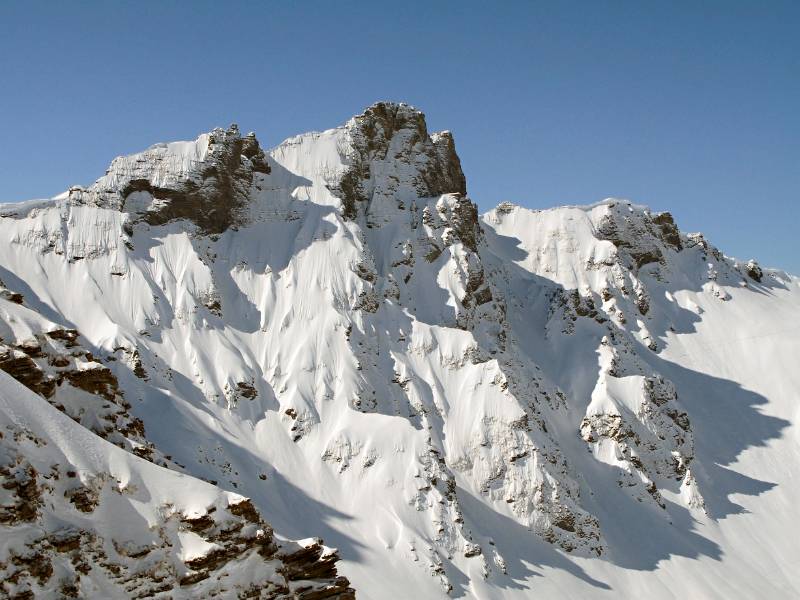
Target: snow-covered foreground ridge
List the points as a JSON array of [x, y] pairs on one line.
[[578, 402]]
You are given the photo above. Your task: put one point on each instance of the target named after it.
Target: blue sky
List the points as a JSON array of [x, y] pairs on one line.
[[692, 107]]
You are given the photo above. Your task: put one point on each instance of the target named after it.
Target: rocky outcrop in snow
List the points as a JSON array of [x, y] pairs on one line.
[[82, 518], [390, 159], [50, 360], [207, 182]]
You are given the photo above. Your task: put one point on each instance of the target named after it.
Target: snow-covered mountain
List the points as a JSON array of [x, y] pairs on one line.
[[578, 402]]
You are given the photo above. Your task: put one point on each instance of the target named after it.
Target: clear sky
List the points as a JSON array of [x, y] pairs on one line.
[[692, 107]]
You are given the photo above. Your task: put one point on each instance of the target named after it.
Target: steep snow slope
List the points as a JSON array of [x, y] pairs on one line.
[[725, 335], [458, 404], [82, 518]]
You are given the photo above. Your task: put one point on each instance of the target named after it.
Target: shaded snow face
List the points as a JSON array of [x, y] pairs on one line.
[[333, 331]]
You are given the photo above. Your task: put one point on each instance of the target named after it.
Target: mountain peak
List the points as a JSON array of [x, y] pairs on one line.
[[206, 181], [393, 158]]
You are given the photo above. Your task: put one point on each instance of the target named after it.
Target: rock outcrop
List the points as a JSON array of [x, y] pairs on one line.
[[81, 518], [207, 182], [391, 159], [51, 361]]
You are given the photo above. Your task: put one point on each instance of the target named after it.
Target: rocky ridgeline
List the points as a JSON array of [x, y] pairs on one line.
[[408, 188], [651, 432], [207, 182]]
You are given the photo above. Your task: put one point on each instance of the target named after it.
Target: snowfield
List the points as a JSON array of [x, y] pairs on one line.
[[582, 402]]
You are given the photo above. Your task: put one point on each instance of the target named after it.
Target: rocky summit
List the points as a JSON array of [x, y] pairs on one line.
[[318, 371]]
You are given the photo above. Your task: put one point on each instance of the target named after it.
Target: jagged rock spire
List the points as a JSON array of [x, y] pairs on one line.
[[393, 155]]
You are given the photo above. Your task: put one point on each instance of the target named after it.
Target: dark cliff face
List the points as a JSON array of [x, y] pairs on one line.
[[211, 192], [215, 201], [448, 178], [379, 125], [396, 136], [215, 198]]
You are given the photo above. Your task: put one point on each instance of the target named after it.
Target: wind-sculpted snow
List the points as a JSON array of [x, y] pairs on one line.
[[459, 403]]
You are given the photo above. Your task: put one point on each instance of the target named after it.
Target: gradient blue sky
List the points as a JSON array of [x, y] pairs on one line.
[[692, 107]]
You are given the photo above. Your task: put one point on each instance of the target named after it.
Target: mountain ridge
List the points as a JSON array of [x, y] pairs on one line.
[[332, 328]]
